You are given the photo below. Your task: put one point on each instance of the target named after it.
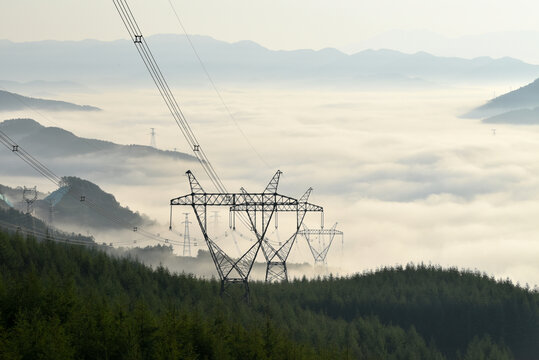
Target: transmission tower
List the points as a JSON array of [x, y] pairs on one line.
[[319, 241], [152, 138], [216, 217], [29, 195], [51, 213], [259, 208], [276, 257], [186, 237]]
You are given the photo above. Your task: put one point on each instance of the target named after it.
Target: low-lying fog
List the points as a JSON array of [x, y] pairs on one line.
[[405, 177]]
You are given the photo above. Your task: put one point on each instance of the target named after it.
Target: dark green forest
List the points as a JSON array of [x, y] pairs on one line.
[[11, 219], [64, 301]]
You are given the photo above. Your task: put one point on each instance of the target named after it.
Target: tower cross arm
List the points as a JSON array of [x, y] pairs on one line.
[[243, 202], [313, 207], [320, 232]]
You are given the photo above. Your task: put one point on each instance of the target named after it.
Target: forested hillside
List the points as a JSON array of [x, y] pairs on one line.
[[68, 210], [60, 301], [11, 219]]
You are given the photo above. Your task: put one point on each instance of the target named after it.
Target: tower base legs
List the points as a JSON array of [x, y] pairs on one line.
[[276, 271], [226, 285]]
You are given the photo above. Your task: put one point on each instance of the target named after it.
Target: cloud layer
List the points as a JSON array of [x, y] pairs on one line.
[[406, 179]]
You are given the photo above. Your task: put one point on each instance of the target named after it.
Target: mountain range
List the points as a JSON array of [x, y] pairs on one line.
[[116, 63], [518, 44]]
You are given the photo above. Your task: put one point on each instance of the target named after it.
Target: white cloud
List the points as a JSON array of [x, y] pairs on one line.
[[404, 176]]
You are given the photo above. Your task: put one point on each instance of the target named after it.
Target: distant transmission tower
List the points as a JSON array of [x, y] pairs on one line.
[[29, 195], [319, 241], [186, 237], [51, 214], [152, 139]]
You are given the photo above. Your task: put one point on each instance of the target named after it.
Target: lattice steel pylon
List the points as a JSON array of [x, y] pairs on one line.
[[276, 257], [29, 195], [320, 248], [186, 237], [259, 208], [152, 138]]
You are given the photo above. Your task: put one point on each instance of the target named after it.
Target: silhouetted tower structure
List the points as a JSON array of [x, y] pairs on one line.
[[51, 213], [259, 209], [216, 217], [29, 196], [152, 138], [186, 237], [319, 241], [276, 257]]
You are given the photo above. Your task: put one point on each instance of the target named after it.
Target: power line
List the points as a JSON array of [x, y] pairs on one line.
[[63, 239], [159, 80], [203, 66], [55, 179], [155, 72]]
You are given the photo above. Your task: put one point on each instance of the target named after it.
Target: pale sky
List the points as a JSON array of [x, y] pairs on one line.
[[276, 24]]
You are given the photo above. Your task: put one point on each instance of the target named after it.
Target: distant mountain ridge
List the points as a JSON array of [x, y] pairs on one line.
[[57, 142], [10, 101], [116, 63], [518, 44], [519, 107]]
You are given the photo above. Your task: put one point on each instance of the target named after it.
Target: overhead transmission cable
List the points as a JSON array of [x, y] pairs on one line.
[[210, 79], [56, 238], [153, 68], [57, 180], [29, 159], [157, 76]]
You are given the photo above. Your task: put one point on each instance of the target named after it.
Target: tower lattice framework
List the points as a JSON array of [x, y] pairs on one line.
[[259, 209]]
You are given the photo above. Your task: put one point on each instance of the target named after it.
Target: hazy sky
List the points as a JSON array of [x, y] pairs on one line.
[[277, 24]]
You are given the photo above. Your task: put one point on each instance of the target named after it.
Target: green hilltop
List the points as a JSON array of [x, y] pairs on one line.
[[60, 301]]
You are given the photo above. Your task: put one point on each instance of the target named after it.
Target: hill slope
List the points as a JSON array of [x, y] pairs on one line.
[[96, 306], [510, 107], [27, 224], [516, 117], [11, 101], [57, 142], [70, 213], [68, 210]]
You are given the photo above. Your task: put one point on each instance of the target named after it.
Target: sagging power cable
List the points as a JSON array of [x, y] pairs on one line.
[[210, 79], [57, 180], [157, 76]]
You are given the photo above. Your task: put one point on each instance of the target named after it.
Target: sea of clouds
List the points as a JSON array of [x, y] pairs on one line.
[[405, 177]]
